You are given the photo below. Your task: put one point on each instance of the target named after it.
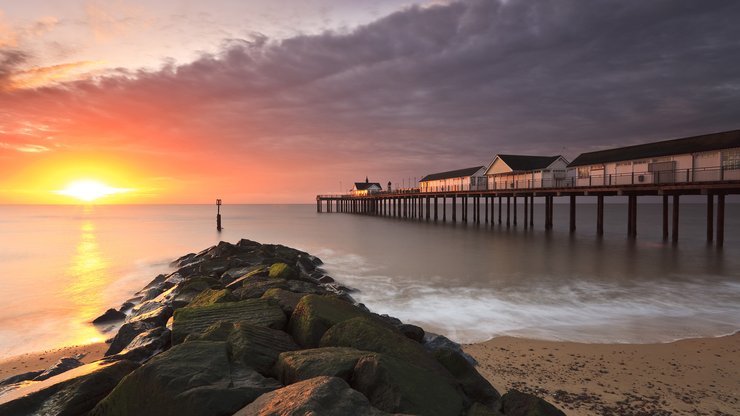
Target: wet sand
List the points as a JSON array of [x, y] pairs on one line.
[[688, 377], [42, 360]]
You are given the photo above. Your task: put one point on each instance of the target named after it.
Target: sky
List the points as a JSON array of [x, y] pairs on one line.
[[277, 101]]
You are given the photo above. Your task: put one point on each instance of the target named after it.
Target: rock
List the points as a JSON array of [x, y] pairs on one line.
[[146, 345], [286, 299], [231, 275], [413, 332], [185, 260], [305, 264], [254, 272], [151, 293], [246, 243], [258, 347], [475, 386], [516, 403], [62, 365], [325, 396], [295, 366], [258, 312], [367, 334], [325, 279], [282, 271], [433, 342], [20, 377], [191, 379], [111, 315], [155, 314], [255, 288], [395, 385], [315, 314], [307, 287], [478, 409], [211, 296], [126, 334], [72, 393], [126, 306], [218, 331]]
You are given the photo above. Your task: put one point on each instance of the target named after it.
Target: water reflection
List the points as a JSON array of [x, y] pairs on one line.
[[87, 274]]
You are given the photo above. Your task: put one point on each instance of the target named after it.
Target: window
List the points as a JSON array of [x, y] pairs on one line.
[[584, 172], [731, 159]]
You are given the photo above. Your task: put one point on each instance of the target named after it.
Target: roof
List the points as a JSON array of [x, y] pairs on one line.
[[363, 186], [451, 174], [525, 163], [703, 143]]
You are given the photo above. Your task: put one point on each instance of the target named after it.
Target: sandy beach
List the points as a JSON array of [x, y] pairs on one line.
[[42, 360], [688, 377]]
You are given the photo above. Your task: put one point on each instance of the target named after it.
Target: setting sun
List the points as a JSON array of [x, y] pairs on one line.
[[89, 190]]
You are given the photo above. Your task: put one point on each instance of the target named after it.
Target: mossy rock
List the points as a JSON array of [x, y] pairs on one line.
[[325, 396], [367, 334], [295, 366], [193, 320], [286, 299], [314, 315], [475, 386], [282, 271], [253, 289], [258, 347], [398, 386], [219, 331], [478, 409], [211, 296], [256, 273], [516, 403], [191, 379]]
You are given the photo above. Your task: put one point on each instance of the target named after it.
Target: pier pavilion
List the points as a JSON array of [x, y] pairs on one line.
[[657, 169]]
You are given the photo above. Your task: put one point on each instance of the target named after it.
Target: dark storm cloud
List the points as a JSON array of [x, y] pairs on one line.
[[438, 87]]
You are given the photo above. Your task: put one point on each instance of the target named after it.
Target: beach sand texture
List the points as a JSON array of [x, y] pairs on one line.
[[42, 360], [688, 377]]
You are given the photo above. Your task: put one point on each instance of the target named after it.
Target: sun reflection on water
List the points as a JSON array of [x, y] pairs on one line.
[[87, 272]]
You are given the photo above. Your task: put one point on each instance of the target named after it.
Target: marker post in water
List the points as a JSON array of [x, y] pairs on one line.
[[218, 215]]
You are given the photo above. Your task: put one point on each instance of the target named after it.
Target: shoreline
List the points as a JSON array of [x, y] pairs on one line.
[[697, 376], [41, 360]]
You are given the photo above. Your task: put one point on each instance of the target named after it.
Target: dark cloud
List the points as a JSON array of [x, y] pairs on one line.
[[430, 88]]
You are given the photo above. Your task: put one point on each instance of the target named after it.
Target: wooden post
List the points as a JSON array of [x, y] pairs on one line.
[[486, 208], [515, 210], [572, 213], [493, 207], [477, 209], [218, 215], [710, 219], [675, 218], [720, 220], [665, 217], [444, 208], [600, 215], [531, 211], [435, 208], [526, 211], [632, 216], [499, 209], [454, 208], [508, 211]]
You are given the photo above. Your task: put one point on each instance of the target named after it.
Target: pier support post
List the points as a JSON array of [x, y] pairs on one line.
[[515, 210], [720, 220], [444, 209], [675, 217], [531, 211], [572, 213], [454, 208], [477, 209], [500, 206], [710, 218], [526, 211], [486, 208], [508, 211], [600, 215], [435, 208], [665, 217], [632, 216]]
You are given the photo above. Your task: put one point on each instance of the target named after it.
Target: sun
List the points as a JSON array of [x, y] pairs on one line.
[[89, 190]]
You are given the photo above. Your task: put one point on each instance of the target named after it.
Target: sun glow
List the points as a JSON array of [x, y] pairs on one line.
[[89, 190]]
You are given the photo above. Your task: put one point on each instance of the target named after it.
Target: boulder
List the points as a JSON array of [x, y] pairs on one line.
[[282, 271], [325, 279], [126, 334], [111, 315], [211, 296], [219, 331], [146, 345], [325, 396], [191, 379], [413, 332], [475, 386], [258, 312], [295, 366], [258, 347], [398, 386], [433, 342], [152, 312], [286, 299], [72, 393], [478, 409], [368, 334], [62, 365], [314, 315], [19, 377], [253, 273], [255, 288], [516, 403]]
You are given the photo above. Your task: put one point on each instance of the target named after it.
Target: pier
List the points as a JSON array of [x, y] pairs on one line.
[[495, 206]]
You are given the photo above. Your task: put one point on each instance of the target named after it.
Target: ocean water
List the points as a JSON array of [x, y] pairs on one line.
[[61, 266]]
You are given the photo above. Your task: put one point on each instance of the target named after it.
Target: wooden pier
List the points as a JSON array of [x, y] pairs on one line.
[[488, 205]]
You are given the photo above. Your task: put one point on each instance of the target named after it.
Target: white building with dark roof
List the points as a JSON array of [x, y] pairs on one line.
[[468, 179], [365, 188], [709, 157], [524, 172]]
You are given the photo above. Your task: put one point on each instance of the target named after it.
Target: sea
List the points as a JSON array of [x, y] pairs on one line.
[[62, 266]]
